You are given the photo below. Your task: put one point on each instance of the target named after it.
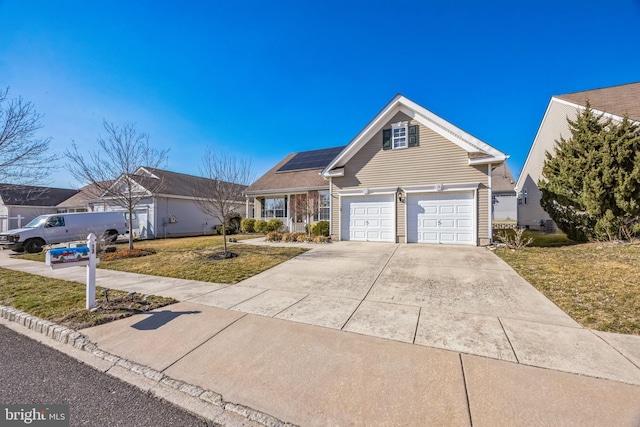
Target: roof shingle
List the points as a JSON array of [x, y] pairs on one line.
[[28, 195], [276, 180], [618, 100]]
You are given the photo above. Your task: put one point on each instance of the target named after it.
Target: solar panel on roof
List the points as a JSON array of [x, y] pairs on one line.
[[311, 159]]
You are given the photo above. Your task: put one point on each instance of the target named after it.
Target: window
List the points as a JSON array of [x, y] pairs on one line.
[[274, 208], [400, 136], [55, 221], [323, 205], [522, 197]]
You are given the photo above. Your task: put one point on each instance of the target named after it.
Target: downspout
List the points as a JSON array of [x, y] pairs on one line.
[[490, 205]]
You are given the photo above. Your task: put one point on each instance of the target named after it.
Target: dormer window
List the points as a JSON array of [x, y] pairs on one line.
[[400, 136]]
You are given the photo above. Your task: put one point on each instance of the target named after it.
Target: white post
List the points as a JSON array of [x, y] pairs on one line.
[[20, 218], [91, 272]]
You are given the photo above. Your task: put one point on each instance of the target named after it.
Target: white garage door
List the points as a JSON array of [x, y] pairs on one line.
[[441, 218], [368, 218]]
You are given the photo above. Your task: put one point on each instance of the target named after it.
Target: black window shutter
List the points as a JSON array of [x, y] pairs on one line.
[[262, 203], [413, 136], [386, 139]]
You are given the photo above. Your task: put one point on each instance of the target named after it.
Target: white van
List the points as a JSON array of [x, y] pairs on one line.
[[67, 227]]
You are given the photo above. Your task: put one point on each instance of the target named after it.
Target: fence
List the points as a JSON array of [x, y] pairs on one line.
[[5, 224]]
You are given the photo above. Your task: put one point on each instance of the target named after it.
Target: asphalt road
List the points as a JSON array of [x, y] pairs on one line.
[[32, 373]]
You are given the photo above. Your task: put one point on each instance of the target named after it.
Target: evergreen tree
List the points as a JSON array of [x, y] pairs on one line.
[[591, 185]]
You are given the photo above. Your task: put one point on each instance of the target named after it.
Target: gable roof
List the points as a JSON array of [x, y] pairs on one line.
[[292, 175], [29, 195], [86, 194], [173, 183], [617, 100], [425, 117], [501, 179]]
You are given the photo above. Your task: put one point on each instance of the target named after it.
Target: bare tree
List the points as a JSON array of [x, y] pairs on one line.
[[109, 172], [24, 157], [221, 194], [307, 205]]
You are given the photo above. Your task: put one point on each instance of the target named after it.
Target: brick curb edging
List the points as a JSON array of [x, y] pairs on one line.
[[79, 341]]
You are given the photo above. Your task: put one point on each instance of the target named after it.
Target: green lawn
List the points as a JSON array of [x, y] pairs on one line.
[[188, 258], [63, 302], [597, 284]]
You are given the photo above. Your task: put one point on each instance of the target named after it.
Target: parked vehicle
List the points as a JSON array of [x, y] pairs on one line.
[[60, 228]]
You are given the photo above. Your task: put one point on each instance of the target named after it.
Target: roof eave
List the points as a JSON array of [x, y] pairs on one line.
[[488, 160]]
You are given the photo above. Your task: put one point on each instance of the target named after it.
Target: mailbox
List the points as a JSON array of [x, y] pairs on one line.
[[68, 257]]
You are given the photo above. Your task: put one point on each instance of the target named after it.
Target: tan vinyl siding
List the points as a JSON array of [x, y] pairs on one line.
[[435, 160], [553, 125]]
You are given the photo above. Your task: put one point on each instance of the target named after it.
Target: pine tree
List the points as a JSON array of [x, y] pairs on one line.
[[591, 185]]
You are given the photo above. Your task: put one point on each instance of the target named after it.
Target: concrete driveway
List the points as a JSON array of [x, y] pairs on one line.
[[459, 298], [463, 299]]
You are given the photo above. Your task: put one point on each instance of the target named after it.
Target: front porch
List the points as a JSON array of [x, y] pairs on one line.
[[296, 210]]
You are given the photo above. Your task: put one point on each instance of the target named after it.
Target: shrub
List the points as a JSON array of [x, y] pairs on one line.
[[229, 230], [514, 240], [274, 225], [273, 236], [320, 228], [260, 226], [303, 238], [248, 225], [289, 237]]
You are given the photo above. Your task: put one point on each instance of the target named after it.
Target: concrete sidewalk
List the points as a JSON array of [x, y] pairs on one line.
[[311, 375]]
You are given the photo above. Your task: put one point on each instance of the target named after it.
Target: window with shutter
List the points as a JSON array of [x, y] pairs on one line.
[[401, 135]]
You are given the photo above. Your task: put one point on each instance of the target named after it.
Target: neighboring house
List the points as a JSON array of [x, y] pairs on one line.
[[19, 204], [169, 211], [614, 102], [504, 207], [408, 176], [290, 189], [85, 200]]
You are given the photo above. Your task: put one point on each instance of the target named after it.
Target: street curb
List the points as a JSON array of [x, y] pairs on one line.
[[81, 342]]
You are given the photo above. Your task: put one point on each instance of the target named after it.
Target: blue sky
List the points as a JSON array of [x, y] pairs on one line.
[[263, 79]]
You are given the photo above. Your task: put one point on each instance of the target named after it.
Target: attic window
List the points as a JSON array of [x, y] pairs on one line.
[[400, 136]]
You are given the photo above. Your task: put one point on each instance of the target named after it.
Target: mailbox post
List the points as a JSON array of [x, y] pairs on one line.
[[73, 257], [91, 272]]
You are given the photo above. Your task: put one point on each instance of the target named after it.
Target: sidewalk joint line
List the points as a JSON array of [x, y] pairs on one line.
[[285, 309], [615, 349], [415, 333], [372, 285], [243, 301], [508, 340], [204, 342], [466, 391]]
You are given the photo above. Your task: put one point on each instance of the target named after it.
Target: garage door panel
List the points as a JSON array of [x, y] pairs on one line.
[[368, 218], [465, 223], [444, 209], [441, 218]]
